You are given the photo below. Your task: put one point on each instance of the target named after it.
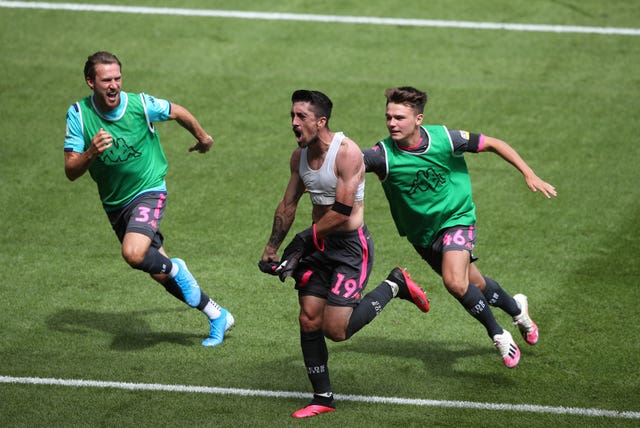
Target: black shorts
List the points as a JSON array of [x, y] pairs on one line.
[[340, 272], [142, 215], [449, 239]]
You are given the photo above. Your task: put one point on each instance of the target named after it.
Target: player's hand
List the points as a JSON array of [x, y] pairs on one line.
[[536, 184], [202, 146], [268, 267], [101, 141], [300, 246]]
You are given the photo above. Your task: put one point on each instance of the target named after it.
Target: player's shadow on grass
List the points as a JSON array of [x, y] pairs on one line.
[[129, 330], [390, 366], [439, 359]]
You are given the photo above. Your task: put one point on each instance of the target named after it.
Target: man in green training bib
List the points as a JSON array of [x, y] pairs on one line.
[[111, 134], [425, 179]]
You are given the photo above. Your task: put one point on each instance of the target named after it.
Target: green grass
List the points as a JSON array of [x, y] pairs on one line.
[[70, 308]]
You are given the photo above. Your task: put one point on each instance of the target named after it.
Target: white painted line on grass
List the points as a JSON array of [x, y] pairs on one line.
[[273, 16], [577, 411]]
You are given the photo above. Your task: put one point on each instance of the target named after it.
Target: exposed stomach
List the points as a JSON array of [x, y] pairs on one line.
[[355, 221]]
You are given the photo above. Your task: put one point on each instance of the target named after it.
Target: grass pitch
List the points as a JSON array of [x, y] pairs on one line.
[[72, 309]]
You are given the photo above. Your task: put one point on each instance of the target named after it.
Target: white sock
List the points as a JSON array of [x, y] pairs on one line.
[[394, 287], [212, 310], [324, 394], [174, 270]]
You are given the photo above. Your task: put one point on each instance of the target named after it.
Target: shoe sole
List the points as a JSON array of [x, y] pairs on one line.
[[312, 410], [417, 294], [524, 332]]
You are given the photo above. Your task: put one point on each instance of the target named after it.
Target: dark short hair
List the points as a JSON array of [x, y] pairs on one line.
[[321, 103], [99, 58], [408, 96]]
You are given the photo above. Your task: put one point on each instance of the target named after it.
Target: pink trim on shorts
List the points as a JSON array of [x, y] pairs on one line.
[[161, 199], [305, 278], [365, 256]]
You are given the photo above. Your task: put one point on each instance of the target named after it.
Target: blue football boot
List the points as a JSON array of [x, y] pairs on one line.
[[218, 327]]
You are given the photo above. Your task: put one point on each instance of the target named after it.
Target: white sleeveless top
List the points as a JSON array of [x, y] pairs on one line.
[[321, 183]]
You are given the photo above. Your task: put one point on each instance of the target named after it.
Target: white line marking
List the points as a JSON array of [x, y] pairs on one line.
[[322, 18], [577, 411]]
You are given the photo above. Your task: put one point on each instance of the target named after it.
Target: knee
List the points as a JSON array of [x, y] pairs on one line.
[[133, 256], [336, 336], [456, 288], [477, 279], [335, 328], [308, 324]]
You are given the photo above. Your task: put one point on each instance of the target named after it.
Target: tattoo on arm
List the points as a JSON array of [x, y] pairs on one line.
[[277, 232]]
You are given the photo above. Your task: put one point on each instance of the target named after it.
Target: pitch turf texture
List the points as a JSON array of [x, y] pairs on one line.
[[71, 309]]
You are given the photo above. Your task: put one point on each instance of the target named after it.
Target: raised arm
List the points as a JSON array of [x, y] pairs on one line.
[[508, 153]]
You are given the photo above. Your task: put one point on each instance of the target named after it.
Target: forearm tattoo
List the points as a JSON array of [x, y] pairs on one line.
[[278, 232]]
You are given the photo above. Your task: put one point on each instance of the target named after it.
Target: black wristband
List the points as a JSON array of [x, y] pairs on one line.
[[342, 208]]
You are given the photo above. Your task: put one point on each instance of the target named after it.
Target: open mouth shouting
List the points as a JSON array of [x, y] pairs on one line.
[[297, 132]]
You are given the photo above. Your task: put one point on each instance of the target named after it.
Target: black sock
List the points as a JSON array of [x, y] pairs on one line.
[[155, 262], [174, 289], [324, 400], [473, 301], [496, 296], [369, 308], [316, 357], [204, 300]]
